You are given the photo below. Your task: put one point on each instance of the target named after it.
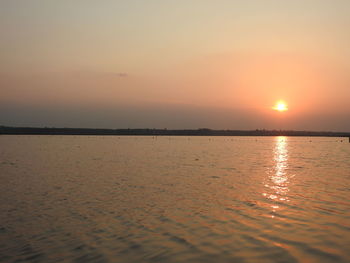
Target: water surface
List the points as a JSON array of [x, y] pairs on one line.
[[174, 199]]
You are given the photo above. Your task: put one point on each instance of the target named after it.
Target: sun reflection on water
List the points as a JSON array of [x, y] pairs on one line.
[[278, 180]]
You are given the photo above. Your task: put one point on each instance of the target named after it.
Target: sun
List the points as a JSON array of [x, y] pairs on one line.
[[280, 106]]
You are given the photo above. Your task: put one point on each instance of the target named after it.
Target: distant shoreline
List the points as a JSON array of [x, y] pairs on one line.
[[5, 130]]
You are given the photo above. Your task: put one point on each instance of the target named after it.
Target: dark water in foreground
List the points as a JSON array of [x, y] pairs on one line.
[[174, 199]]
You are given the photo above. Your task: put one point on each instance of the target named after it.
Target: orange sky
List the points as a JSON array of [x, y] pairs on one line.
[[180, 64]]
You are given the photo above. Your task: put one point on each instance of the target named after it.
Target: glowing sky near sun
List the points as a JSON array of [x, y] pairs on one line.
[[175, 64]]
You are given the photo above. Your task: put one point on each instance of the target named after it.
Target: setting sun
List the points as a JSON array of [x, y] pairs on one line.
[[280, 106]]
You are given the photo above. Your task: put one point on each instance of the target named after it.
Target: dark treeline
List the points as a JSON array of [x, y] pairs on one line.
[[164, 132]]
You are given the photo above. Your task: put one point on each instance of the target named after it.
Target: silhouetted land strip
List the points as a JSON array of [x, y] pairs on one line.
[[163, 132]]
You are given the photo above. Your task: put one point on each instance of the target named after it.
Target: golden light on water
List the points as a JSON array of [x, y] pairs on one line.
[[281, 161], [280, 106], [279, 178], [278, 185]]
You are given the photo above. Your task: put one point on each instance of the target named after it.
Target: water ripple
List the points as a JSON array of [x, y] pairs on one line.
[[138, 199]]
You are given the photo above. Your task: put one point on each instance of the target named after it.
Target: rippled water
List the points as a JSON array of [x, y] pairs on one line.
[[174, 199]]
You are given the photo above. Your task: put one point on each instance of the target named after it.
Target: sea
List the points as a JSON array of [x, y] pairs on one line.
[[174, 199]]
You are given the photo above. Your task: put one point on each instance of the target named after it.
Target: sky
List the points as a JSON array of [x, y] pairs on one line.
[[175, 64]]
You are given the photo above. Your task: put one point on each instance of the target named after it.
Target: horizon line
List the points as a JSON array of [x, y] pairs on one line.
[[22, 130]]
